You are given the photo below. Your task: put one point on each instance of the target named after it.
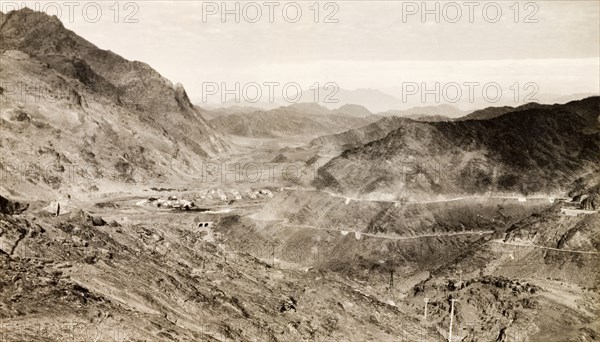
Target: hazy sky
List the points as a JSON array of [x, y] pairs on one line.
[[370, 46]]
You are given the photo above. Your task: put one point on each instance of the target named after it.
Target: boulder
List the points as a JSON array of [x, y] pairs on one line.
[[9, 207], [591, 202], [98, 221]]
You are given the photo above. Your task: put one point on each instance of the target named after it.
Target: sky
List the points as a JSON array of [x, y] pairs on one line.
[[355, 44]]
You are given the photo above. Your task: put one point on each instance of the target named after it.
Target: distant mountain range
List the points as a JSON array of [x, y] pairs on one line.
[[374, 100], [307, 119], [385, 104], [443, 110]]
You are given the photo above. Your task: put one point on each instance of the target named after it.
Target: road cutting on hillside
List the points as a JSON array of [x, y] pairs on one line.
[[378, 236]]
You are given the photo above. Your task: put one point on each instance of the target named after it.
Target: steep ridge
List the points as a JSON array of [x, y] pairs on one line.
[[427, 118], [74, 102], [540, 150], [494, 112]]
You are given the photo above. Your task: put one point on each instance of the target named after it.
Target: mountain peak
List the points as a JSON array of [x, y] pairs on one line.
[[309, 107], [354, 110], [31, 17]]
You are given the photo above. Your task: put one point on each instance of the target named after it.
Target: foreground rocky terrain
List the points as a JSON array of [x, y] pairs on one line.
[[125, 269], [134, 280]]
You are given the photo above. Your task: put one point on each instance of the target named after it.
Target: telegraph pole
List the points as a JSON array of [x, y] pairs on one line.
[[273, 254], [451, 318]]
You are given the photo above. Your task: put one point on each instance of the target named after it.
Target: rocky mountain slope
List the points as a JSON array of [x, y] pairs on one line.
[[512, 266], [295, 120], [74, 103], [371, 132], [64, 278], [539, 150], [360, 136]]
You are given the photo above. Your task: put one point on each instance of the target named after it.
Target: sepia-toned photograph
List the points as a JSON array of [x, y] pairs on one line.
[[300, 171]]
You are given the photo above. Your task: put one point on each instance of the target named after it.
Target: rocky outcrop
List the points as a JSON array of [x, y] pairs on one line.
[[591, 201], [9, 207]]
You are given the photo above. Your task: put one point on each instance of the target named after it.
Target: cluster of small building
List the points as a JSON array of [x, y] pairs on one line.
[[206, 196], [172, 202], [233, 194]]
